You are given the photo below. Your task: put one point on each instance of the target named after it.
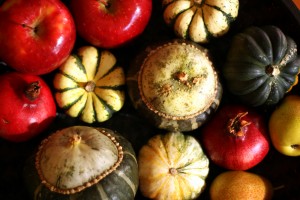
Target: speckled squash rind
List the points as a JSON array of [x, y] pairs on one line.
[[118, 182], [174, 85]]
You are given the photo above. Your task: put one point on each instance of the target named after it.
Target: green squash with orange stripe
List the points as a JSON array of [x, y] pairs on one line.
[[90, 85]]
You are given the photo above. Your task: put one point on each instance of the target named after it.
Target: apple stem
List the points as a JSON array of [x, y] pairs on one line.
[[236, 124], [105, 3], [34, 29], [32, 91]]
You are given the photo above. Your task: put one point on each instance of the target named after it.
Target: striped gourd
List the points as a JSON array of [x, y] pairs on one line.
[[200, 20], [172, 166], [73, 161], [90, 85]]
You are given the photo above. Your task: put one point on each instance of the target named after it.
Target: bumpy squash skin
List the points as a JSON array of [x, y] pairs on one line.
[[200, 20], [172, 166], [90, 84], [160, 121], [112, 186], [262, 66]]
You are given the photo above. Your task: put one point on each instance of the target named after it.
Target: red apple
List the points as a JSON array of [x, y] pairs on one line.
[[36, 36], [27, 106], [236, 138], [110, 23]]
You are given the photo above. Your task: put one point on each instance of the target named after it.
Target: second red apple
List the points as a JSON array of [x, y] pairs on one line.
[[110, 23]]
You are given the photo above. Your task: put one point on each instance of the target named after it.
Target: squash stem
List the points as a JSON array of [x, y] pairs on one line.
[[272, 70], [32, 91], [173, 171], [236, 124], [75, 140], [199, 2], [90, 86]]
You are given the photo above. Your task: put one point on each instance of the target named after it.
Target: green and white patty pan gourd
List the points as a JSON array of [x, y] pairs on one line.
[[83, 163]]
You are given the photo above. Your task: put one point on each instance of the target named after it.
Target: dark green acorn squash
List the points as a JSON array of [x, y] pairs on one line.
[[174, 85], [82, 163], [262, 65]]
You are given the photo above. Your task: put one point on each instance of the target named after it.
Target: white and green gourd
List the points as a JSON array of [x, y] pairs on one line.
[[82, 163], [200, 20]]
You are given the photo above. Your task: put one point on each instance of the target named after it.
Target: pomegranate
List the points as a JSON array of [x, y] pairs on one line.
[[27, 106], [236, 138]]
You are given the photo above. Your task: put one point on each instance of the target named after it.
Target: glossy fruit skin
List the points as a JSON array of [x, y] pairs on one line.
[[284, 124], [262, 65], [236, 185], [36, 36], [22, 118], [232, 151], [110, 26]]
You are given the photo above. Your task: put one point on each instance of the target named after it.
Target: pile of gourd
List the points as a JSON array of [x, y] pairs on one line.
[[173, 86]]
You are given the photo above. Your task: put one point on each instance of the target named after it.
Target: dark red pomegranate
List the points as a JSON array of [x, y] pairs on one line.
[[236, 138], [27, 106]]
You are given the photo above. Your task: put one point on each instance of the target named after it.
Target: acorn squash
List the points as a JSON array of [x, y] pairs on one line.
[[172, 166], [262, 65], [174, 85], [90, 85], [83, 163], [200, 20]]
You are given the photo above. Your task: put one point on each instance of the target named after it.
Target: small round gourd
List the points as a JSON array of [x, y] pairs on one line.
[[262, 65], [200, 20], [81, 162], [90, 85], [172, 166], [174, 85]]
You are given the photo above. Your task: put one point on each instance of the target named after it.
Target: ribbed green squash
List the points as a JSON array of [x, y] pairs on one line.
[[200, 20], [262, 65], [174, 85], [83, 163], [90, 85]]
